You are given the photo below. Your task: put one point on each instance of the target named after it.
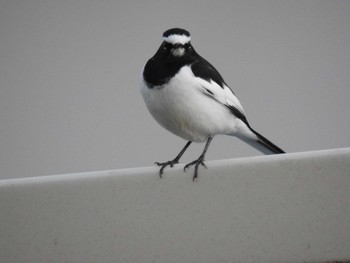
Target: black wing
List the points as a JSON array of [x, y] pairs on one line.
[[203, 69]]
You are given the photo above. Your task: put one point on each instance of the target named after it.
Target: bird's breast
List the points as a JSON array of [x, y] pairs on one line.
[[180, 107]]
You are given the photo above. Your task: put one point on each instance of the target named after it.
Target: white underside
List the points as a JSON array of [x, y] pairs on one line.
[[183, 108]]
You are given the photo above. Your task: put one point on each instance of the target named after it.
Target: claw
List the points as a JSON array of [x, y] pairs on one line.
[[172, 162], [196, 163], [165, 164]]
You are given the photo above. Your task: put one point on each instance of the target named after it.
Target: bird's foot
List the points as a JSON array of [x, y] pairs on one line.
[[196, 163], [165, 164]]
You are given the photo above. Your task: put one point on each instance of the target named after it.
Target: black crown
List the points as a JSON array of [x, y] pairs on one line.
[[176, 31]]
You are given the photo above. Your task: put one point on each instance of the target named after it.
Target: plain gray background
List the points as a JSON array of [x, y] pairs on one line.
[[70, 74]]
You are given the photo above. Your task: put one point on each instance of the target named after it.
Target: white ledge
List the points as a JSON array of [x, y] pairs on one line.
[[281, 208]]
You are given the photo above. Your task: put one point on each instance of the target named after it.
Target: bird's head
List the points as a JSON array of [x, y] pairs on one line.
[[176, 44]]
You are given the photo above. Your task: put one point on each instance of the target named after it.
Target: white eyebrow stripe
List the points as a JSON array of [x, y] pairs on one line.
[[180, 39]]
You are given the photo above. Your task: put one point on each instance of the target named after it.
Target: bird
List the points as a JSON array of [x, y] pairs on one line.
[[187, 96]]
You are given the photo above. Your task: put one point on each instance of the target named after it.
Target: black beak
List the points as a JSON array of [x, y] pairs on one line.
[[177, 45]]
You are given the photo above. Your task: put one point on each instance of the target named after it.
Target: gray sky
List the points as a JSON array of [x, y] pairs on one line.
[[70, 74]]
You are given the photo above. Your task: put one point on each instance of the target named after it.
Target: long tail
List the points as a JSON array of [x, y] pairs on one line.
[[262, 144]]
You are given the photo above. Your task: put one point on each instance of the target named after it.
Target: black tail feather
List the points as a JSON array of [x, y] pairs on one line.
[[268, 144]]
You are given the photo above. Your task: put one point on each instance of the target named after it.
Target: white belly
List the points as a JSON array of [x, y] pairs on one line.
[[182, 108]]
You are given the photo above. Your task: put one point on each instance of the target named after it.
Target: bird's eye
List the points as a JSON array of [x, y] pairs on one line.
[[188, 46], [166, 46]]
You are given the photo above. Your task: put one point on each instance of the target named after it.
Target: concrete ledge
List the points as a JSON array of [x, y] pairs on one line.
[[285, 208]]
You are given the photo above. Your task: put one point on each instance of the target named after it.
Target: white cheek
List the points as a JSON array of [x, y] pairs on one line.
[[178, 52]]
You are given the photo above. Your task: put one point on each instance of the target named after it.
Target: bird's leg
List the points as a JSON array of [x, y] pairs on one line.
[[174, 161], [200, 159]]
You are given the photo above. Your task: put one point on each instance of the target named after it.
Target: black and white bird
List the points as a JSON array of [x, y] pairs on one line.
[[188, 97]]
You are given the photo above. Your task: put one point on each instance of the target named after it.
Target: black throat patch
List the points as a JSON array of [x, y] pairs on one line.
[[158, 72]]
